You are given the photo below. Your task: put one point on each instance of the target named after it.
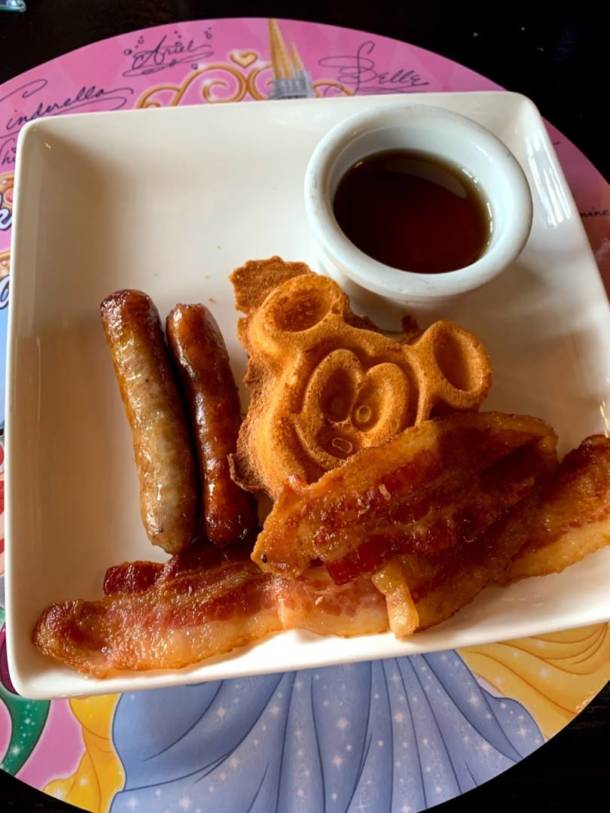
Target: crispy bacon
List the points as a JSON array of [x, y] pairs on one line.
[[131, 577], [565, 518], [442, 583], [433, 490], [135, 577], [569, 517], [205, 602], [197, 606], [393, 581]]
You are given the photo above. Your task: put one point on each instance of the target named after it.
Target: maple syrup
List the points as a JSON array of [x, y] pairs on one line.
[[413, 211]]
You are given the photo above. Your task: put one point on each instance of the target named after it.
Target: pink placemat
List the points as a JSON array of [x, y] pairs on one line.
[[398, 735]]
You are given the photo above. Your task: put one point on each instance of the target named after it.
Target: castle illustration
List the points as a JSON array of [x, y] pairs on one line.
[[290, 78]]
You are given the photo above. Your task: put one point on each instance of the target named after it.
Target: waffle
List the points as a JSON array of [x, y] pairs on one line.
[[325, 383]]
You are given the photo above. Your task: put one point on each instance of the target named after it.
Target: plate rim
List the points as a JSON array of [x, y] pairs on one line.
[[174, 677]]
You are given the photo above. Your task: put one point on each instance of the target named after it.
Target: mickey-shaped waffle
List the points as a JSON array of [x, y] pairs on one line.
[[326, 383]]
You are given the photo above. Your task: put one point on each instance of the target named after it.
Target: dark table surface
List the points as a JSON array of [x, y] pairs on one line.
[[558, 58]]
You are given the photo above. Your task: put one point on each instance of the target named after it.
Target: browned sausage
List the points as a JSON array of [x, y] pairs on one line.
[[159, 425], [200, 353]]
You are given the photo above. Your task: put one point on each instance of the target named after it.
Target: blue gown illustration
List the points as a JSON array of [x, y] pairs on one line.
[[394, 736]]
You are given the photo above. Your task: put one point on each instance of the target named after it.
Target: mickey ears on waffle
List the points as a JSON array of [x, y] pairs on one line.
[[324, 386]]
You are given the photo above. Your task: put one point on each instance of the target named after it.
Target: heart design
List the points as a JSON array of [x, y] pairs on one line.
[[244, 58], [347, 407]]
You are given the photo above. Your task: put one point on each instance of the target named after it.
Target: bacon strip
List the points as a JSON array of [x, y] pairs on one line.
[[131, 577], [392, 580], [172, 616], [435, 488], [564, 519], [205, 602], [441, 584], [570, 517]]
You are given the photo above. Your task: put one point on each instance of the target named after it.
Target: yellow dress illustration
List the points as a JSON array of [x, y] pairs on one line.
[[99, 774]]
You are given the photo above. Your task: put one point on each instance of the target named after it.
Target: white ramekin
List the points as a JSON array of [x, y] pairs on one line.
[[383, 291]]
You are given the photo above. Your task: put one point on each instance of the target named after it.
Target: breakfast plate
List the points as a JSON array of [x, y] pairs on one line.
[[171, 201]]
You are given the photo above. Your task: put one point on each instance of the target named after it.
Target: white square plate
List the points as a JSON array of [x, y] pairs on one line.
[[170, 201]]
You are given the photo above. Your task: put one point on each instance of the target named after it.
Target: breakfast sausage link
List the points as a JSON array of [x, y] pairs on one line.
[[159, 426], [200, 353]]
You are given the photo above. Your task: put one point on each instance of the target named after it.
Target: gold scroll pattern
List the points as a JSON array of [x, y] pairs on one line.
[[244, 76], [237, 83]]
